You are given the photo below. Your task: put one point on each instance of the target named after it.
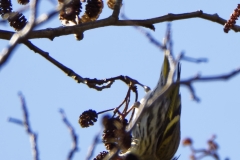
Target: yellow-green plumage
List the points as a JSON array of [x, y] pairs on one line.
[[156, 129]]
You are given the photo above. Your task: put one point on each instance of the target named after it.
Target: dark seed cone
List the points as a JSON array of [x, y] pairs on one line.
[[101, 155], [114, 134], [108, 136], [124, 138], [92, 10], [87, 118], [23, 2], [93, 7], [70, 12], [5, 7], [17, 21]]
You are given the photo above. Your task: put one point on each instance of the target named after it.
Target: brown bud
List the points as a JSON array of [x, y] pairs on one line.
[[23, 2], [187, 142]]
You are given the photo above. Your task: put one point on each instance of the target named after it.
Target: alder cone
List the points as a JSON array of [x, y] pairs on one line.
[[5, 7], [70, 12], [17, 21], [93, 7], [92, 11], [87, 118]]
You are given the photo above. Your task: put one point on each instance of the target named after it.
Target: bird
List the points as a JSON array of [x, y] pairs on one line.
[[155, 126]]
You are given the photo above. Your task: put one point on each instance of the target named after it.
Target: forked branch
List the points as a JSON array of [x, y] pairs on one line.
[[26, 124], [73, 135]]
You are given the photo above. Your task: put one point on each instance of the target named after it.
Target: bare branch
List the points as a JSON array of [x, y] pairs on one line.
[[92, 147], [73, 135], [182, 56], [46, 55], [91, 83], [165, 90], [196, 78], [16, 121], [61, 31], [147, 34], [117, 8], [26, 124], [198, 154], [212, 78], [158, 44]]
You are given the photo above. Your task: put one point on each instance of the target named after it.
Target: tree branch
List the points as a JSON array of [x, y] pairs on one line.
[[61, 31], [73, 135], [182, 56], [116, 10], [98, 84], [25, 123], [92, 147], [196, 78]]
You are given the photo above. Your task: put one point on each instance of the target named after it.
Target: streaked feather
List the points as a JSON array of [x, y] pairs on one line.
[[156, 124]]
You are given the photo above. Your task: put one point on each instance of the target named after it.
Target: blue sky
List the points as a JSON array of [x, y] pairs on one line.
[[112, 51]]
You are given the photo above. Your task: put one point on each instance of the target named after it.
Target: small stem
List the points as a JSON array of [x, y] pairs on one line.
[[106, 111]]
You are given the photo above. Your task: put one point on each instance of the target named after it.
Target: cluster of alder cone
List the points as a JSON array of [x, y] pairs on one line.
[[69, 15], [114, 135]]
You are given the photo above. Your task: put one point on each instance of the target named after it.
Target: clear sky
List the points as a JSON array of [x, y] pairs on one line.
[[112, 51]]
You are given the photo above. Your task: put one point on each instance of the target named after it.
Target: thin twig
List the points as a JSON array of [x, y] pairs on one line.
[[106, 111], [91, 83], [127, 97], [46, 55], [158, 44], [198, 154], [93, 147], [26, 124], [73, 135], [182, 56], [146, 33], [196, 78], [16, 121]]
